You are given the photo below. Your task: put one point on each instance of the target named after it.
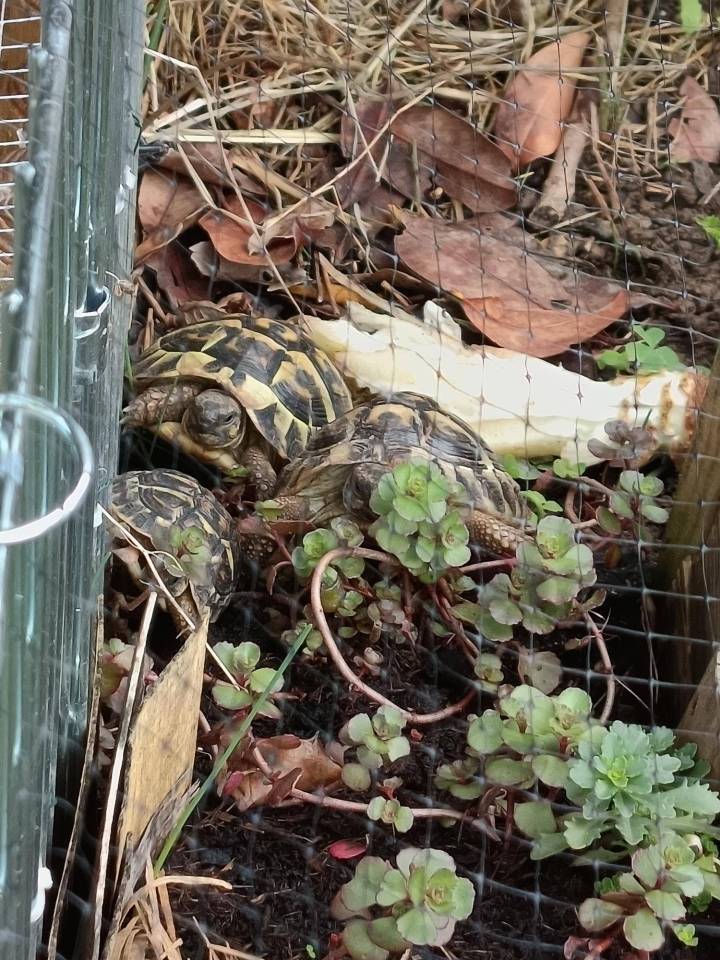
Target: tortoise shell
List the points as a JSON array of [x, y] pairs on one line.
[[285, 383], [158, 507], [388, 431]]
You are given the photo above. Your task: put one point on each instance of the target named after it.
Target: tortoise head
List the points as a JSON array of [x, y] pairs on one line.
[[359, 486], [214, 419]]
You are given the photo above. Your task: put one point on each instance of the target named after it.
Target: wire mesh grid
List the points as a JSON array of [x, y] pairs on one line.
[[19, 28], [61, 349], [499, 222]]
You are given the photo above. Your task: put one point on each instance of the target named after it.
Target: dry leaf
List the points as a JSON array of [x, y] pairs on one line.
[[165, 200], [211, 162], [538, 332], [230, 231], [347, 849], [537, 101], [425, 147], [175, 274], [506, 291], [458, 158], [303, 764], [167, 206], [696, 132]]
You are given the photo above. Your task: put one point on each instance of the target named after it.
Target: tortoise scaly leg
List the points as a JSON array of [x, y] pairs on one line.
[[162, 403], [495, 534], [260, 472]]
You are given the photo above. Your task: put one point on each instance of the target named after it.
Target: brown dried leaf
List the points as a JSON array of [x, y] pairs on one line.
[[539, 332], [696, 132], [175, 274], [528, 123], [424, 147], [506, 291], [211, 162], [472, 264], [167, 206], [230, 231], [298, 763], [165, 200], [458, 158]]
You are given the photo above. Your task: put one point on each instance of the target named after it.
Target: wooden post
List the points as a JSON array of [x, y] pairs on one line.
[[690, 574]]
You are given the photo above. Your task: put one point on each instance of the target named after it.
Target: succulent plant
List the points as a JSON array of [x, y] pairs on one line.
[[526, 740], [630, 786], [664, 878], [420, 519], [460, 779], [634, 501], [542, 589], [241, 662], [392, 812], [378, 740], [418, 902], [189, 555], [116, 659], [628, 779], [341, 533]]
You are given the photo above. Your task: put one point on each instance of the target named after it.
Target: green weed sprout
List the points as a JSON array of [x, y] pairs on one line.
[[642, 354]]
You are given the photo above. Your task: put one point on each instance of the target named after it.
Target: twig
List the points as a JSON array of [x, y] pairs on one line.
[[355, 806], [559, 189], [607, 663], [489, 565], [337, 657]]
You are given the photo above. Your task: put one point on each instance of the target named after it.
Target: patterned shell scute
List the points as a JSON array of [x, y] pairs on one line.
[[404, 427], [287, 385], [154, 503]]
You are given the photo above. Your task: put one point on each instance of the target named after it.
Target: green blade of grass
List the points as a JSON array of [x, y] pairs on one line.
[[222, 759]]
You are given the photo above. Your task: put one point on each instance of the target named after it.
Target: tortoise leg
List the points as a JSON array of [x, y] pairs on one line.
[[261, 473], [165, 402], [495, 534]]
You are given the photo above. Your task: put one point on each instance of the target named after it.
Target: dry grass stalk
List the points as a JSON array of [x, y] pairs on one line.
[[148, 929]]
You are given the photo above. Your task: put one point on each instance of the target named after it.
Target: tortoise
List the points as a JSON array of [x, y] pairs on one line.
[[192, 537], [201, 384], [342, 463]]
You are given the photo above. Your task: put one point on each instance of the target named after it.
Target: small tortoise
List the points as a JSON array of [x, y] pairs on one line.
[[190, 535], [201, 384], [343, 462]]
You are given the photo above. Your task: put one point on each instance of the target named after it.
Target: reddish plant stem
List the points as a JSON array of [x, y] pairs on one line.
[[337, 657], [570, 505], [355, 806], [489, 565], [607, 663]]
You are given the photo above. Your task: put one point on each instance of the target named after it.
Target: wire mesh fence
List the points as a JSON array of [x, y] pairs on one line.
[[69, 114], [410, 623]]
